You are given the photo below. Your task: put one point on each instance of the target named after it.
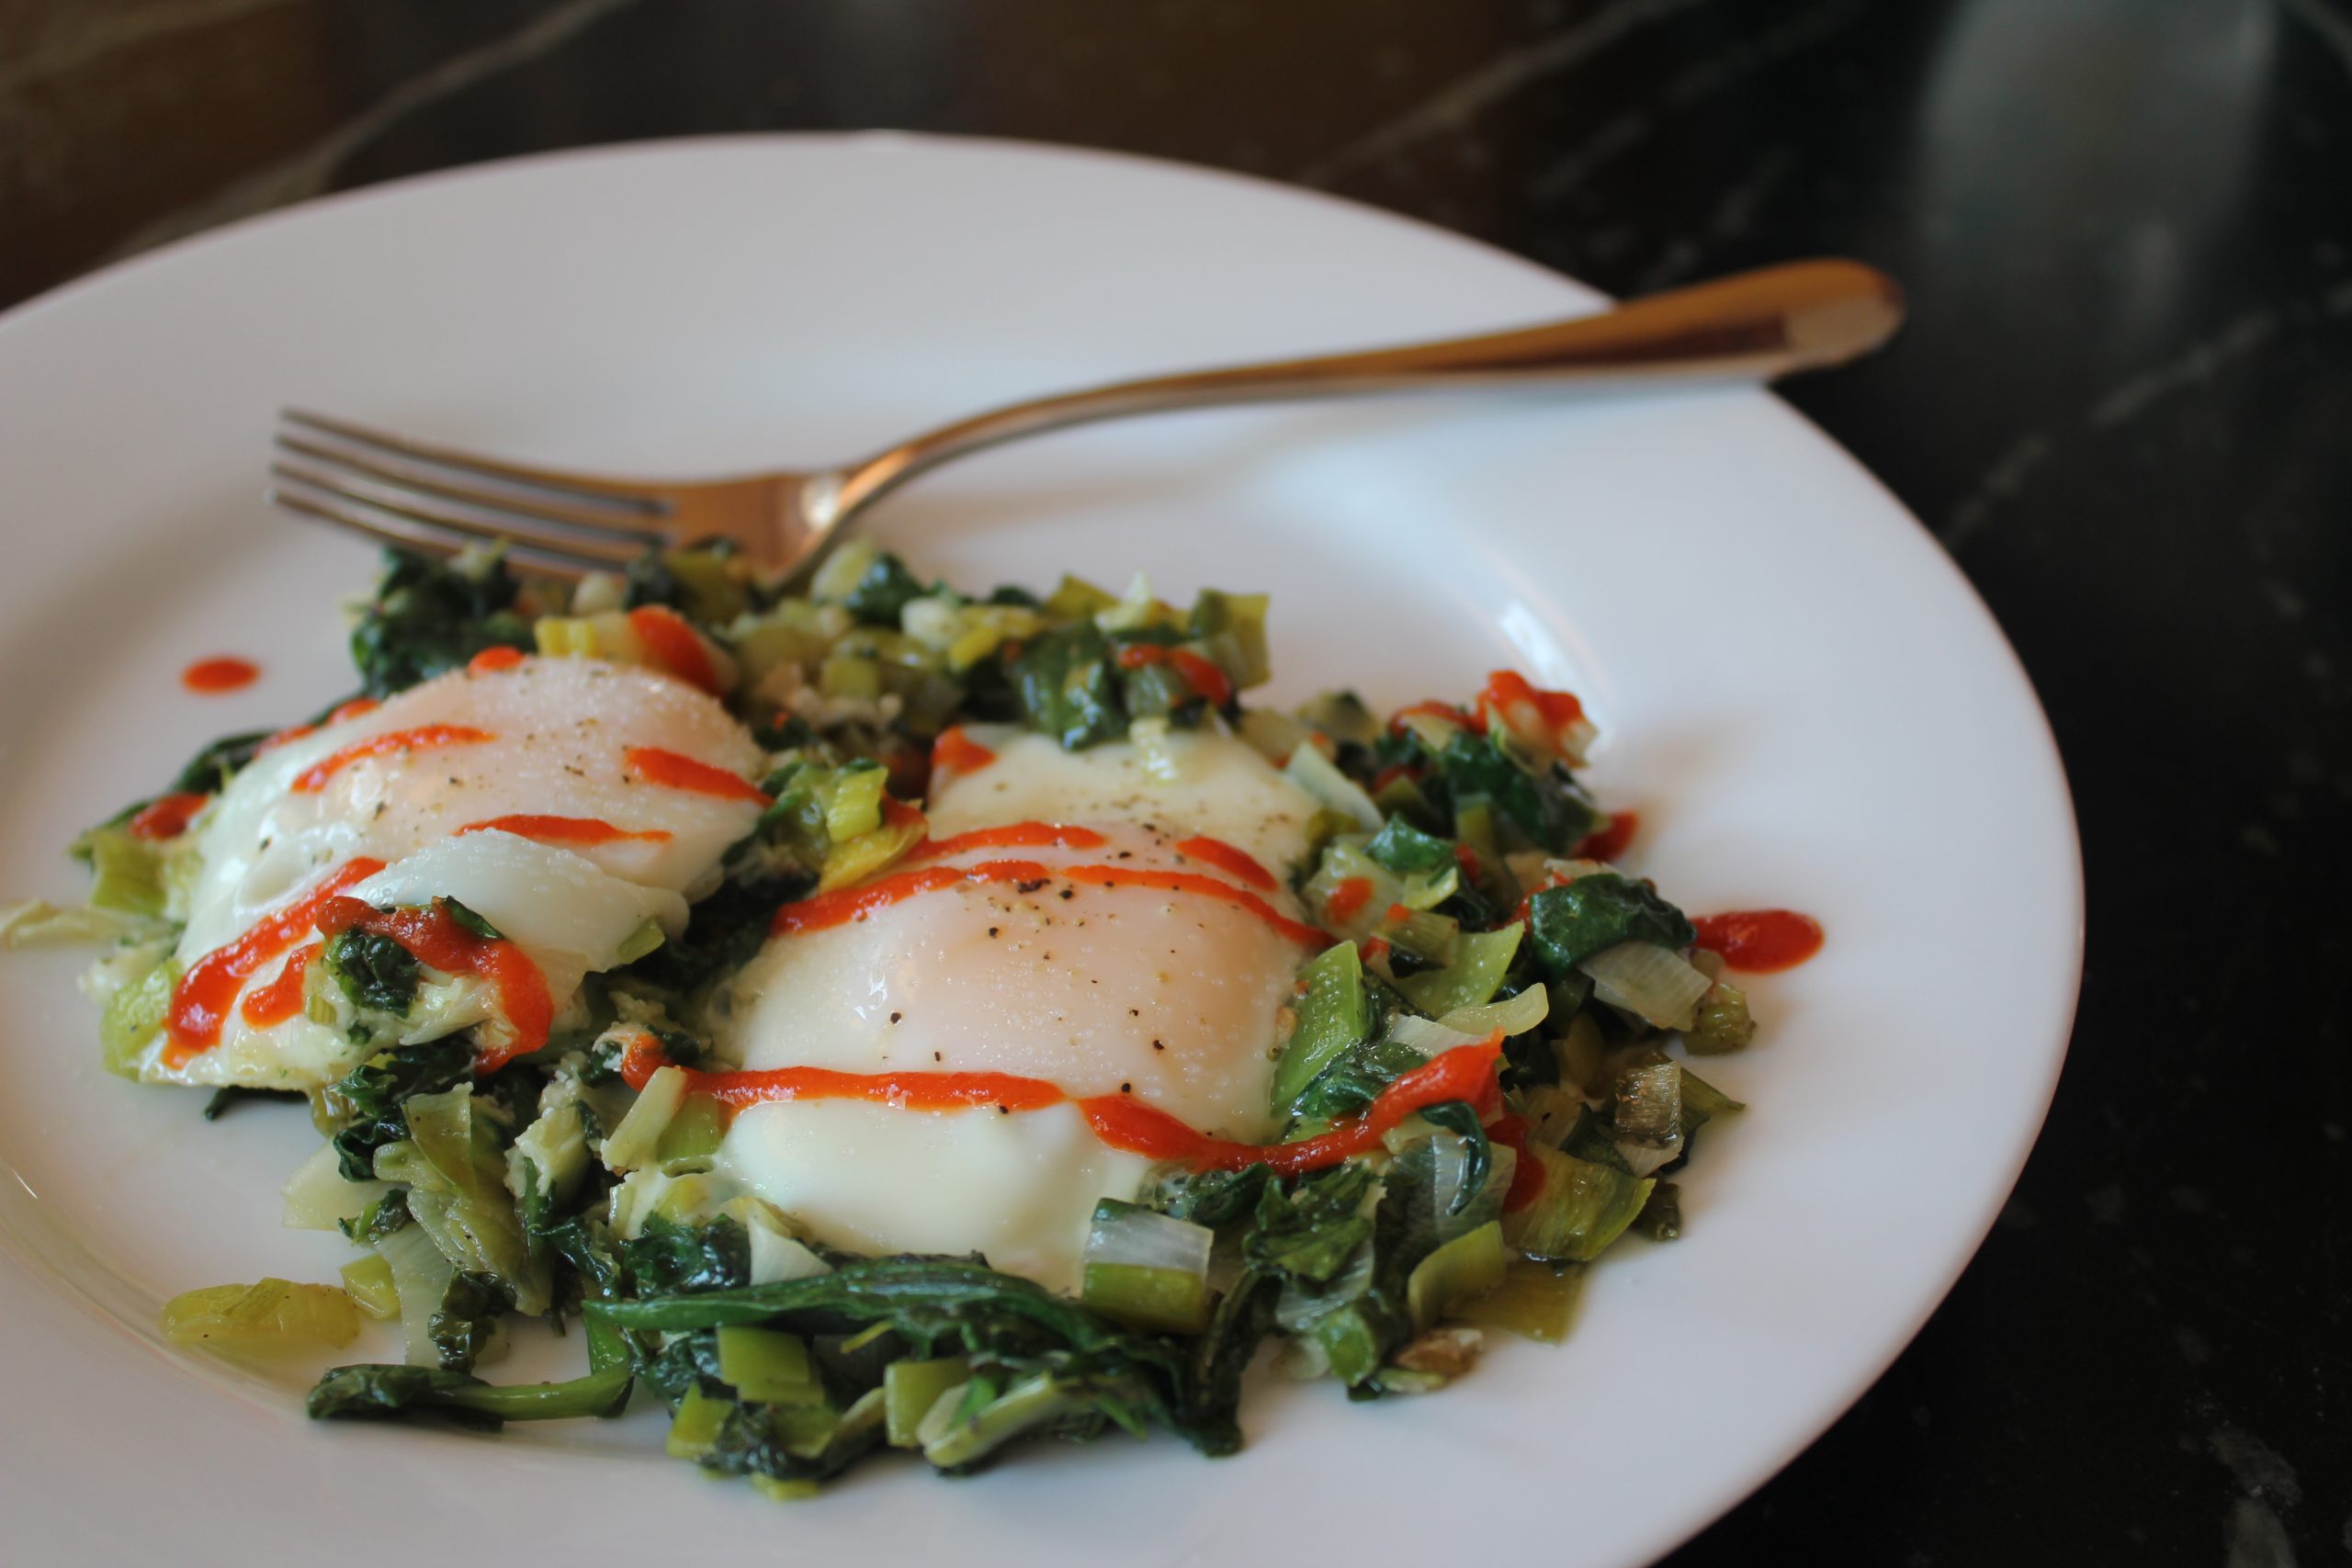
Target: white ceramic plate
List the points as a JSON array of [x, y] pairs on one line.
[[1799, 694]]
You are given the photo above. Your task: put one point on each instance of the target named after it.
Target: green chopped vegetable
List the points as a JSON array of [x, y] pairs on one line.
[[271, 1315], [374, 971], [133, 1017], [377, 1392], [1334, 1017], [369, 1282], [1481, 961], [1595, 913], [1583, 1207]]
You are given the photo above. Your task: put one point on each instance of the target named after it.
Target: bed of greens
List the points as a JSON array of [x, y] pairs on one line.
[[1463, 872]]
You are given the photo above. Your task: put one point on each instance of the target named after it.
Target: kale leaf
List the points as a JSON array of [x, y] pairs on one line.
[[877, 597], [1549, 807], [462, 1325], [368, 1099], [1064, 685], [430, 617], [667, 1257], [1567, 925], [374, 971]]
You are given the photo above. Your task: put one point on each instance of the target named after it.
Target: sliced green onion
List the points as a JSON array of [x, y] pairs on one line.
[[1644, 979]]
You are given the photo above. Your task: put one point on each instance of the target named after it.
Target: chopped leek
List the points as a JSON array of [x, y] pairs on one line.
[[1644, 979], [134, 1016], [369, 1282], [910, 1389], [318, 1197], [772, 1368], [1148, 1268], [691, 1136], [1534, 1299], [129, 872], [635, 1140], [693, 1430], [1581, 1208], [1515, 1015], [1316, 773], [1334, 1016], [273, 1313], [1481, 959], [1470, 1264], [1722, 1023]]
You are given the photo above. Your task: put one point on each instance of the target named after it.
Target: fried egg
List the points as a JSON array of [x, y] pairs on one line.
[[1171, 986], [511, 790]]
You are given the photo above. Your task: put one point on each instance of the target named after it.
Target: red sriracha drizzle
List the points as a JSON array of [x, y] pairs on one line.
[[434, 935], [166, 816], [1507, 688], [582, 830], [1347, 898], [1607, 844], [491, 660], [424, 738], [957, 753], [351, 709], [1235, 862], [1504, 688], [674, 770], [201, 1002], [1013, 836], [666, 634], [1760, 940], [1466, 1073], [1202, 674], [213, 675], [281, 997], [846, 904]]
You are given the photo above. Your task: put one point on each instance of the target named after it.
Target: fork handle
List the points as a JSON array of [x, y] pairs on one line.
[[1771, 322]]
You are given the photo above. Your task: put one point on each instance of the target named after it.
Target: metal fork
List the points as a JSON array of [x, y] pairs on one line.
[[1761, 324]]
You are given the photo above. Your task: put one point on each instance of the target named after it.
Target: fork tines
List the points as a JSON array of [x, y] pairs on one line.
[[439, 500]]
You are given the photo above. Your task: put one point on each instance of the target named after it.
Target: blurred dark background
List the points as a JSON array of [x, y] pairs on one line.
[[2124, 405]]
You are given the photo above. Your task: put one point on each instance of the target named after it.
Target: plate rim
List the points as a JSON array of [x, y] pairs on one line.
[[2046, 759]]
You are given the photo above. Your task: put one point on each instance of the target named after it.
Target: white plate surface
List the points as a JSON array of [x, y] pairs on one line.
[[1800, 694]]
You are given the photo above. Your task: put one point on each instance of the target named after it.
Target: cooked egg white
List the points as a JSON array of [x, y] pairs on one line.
[[559, 730], [1175, 998]]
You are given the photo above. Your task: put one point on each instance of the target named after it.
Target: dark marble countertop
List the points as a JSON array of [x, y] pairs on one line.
[[2124, 403]]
